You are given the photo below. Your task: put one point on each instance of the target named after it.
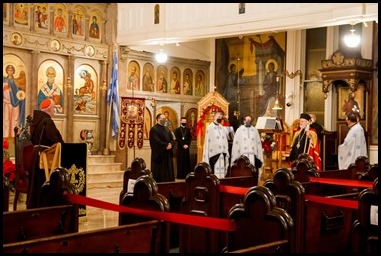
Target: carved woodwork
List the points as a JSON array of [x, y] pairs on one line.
[[351, 70]]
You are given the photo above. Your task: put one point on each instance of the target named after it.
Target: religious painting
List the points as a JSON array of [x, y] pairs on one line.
[[6, 13], [16, 38], [161, 78], [174, 85], [14, 87], [41, 17], [191, 116], [171, 117], [21, 14], [188, 82], [60, 18], [200, 86], [85, 90], [50, 85], [374, 93], [90, 51], [250, 74], [78, 22], [147, 123], [95, 26], [351, 102], [55, 45], [148, 84], [133, 75]]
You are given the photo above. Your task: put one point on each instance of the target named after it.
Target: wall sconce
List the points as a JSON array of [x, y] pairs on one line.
[[124, 50], [351, 39], [289, 100], [161, 56], [292, 75]]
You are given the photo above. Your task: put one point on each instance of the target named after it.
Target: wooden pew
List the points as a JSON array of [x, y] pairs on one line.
[[262, 227], [324, 228], [55, 217], [145, 196], [365, 228], [144, 237], [203, 196], [290, 196], [304, 168], [29, 224], [242, 174], [137, 169]]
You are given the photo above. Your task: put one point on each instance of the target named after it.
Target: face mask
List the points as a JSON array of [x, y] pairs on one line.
[[162, 122], [219, 120], [248, 124], [184, 124]]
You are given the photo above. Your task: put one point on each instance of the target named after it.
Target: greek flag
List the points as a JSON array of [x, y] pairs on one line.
[[113, 97]]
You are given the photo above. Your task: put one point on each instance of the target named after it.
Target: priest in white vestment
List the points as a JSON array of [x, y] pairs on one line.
[[354, 144], [247, 142], [216, 147]]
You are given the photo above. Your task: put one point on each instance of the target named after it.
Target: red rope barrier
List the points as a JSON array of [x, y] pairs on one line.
[[233, 190], [342, 182], [345, 203], [186, 219]]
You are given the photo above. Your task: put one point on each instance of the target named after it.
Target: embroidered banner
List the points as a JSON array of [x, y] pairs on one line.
[[132, 116]]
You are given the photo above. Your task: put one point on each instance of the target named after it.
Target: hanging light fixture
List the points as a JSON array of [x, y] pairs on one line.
[[277, 105], [161, 56], [351, 39]]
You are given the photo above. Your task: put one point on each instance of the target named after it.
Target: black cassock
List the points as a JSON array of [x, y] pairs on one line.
[[183, 137], [43, 132], [161, 158]]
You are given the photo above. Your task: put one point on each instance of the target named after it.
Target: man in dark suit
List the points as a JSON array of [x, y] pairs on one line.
[[161, 142]]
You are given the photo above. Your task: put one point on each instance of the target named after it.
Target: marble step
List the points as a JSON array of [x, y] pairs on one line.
[[100, 159], [96, 168], [102, 172]]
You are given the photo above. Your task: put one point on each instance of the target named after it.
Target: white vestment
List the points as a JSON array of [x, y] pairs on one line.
[[354, 145], [247, 141], [216, 142]]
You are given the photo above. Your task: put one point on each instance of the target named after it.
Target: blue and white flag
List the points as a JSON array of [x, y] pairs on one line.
[[113, 97]]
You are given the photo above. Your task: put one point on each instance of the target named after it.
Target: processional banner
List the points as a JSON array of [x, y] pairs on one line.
[[131, 122]]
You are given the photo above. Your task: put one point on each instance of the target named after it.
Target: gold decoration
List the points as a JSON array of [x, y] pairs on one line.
[[77, 177]]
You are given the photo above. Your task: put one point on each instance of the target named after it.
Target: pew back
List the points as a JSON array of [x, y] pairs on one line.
[[39, 222], [144, 237], [260, 223]]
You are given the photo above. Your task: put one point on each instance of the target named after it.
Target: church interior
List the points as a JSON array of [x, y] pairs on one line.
[[269, 61]]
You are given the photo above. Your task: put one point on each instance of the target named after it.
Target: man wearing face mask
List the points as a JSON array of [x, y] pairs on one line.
[[216, 147], [247, 142], [306, 141], [183, 138], [161, 142]]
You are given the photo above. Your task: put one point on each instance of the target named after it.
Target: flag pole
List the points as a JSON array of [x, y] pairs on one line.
[[106, 150]]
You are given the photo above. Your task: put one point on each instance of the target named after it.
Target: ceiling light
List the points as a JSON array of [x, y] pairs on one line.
[[351, 39], [161, 56]]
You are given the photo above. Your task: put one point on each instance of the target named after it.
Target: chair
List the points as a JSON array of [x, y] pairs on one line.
[[23, 160], [50, 159]]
